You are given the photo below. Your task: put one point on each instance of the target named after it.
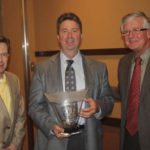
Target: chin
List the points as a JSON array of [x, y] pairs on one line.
[[133, 47]]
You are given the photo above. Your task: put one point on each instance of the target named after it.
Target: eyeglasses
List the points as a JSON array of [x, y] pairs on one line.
[[134, 31], [4, 55]]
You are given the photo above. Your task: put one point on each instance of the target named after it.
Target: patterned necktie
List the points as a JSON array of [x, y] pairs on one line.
[[133, 101], [70, 80]]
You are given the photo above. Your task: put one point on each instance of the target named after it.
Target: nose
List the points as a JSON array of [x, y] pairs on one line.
[[70, 34], [131, 34]]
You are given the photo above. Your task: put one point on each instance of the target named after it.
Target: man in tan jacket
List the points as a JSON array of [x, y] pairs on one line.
[[12, 115]]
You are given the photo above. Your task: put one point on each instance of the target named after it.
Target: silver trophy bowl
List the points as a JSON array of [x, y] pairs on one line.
[[66, 106]]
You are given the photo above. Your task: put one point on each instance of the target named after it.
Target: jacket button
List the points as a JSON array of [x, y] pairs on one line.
[[8, 127]]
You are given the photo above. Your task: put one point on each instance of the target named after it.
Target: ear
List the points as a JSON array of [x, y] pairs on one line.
[[57, 37]]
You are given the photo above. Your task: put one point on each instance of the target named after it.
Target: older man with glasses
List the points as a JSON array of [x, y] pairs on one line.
[[134, 83]]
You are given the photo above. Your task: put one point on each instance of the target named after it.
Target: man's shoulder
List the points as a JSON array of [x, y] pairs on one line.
[[93, 62], [11, 75], [12, 78], [48, 61], [127, 57]]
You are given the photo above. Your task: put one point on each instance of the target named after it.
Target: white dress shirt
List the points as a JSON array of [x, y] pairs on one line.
[[79, 75]]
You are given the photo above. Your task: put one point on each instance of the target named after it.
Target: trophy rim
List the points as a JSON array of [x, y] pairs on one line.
[[72, 133]]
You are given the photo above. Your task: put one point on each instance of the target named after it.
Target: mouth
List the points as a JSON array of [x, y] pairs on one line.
[[70, 40], [1, 65], [133, 40]]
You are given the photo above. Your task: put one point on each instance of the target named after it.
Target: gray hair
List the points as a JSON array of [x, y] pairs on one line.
[[129, 17]]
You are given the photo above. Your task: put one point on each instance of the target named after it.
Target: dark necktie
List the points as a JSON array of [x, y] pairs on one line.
[[70, 80], [133, 100]]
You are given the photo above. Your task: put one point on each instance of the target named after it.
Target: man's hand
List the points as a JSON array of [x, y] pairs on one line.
[[10, 147], [57, 131], [89, 111]]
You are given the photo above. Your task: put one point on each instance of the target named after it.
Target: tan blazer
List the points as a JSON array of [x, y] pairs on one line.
[[12, 128]]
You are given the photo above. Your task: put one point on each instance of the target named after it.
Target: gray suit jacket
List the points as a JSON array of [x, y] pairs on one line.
[[12, 129], [47, 78], [144, 104]]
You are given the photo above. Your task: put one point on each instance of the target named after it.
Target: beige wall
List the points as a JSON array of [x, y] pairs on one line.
[[101, 23], [101, 20]]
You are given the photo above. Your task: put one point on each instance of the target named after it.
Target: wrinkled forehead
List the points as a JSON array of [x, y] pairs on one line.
[[3, 47], [136, 22]]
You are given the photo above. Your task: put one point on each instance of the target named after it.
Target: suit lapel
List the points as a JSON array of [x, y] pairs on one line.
[[3, 109], [88, 76], [126, 77], [5, 121], [11, 87], [56, 74]]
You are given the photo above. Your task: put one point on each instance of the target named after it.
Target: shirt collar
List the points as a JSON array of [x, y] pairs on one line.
[[77, 58], [144, 56]]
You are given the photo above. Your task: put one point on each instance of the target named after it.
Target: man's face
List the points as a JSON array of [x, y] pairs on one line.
[[69, 36], [138, 41], [3, 58]]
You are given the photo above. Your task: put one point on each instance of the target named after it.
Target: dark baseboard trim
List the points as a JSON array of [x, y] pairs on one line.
[[111, 51], [111, 122]]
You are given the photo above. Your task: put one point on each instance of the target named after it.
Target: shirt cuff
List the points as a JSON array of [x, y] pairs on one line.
[[98, 114]]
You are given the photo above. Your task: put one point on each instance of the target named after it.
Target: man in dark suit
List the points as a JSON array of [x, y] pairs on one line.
[[12, 114], [135, 95], [49, 77]]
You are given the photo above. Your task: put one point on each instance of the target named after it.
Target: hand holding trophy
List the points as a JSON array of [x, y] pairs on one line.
[[66, 106]]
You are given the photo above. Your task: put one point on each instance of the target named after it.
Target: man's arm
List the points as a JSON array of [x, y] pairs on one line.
[[116, 93], [38, 105], [106, 100], [103, 104]]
